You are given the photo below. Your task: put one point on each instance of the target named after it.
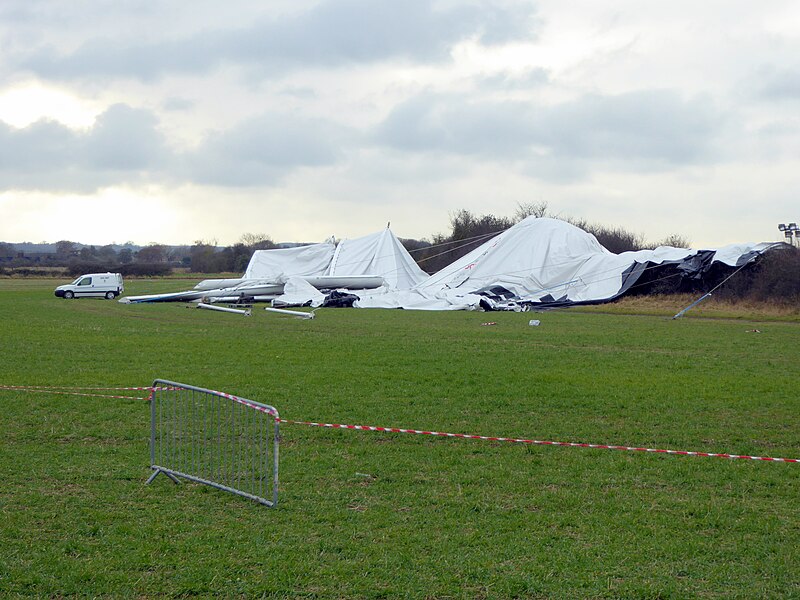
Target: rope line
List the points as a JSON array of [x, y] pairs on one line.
[[65, 392], [80, 391], [542, 442], [458, 241]]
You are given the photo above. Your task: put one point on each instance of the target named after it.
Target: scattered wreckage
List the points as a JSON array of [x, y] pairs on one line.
[[537, 263]]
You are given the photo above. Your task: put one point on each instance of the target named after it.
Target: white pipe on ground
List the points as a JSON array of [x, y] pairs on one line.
[[295, 313], [223, 309]]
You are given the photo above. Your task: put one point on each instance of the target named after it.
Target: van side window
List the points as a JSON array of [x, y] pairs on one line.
[[86, 281]]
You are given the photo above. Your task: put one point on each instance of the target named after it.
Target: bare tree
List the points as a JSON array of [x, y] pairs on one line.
[[125, 256], [203, 256], [65, 248], [257, 241], [107, 253], [527, 209], [152, 253], [675, 240]]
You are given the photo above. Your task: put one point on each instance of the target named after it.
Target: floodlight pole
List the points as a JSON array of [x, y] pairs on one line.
[[788, 230]]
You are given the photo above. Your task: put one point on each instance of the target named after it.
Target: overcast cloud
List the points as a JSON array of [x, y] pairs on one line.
[[329, 34], [647, 129], [337, 116]]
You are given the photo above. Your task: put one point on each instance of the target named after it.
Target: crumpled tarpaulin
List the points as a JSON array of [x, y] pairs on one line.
[[548, 262]]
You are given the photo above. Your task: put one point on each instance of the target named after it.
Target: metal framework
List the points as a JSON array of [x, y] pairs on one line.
[[214, 438]]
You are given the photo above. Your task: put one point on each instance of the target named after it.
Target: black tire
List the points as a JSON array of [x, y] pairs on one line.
[[69, 295], [110, 295]]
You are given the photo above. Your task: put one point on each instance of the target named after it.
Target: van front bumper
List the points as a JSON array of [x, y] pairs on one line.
[[59, 293]]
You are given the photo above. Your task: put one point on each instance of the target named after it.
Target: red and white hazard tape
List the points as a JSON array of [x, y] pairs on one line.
[[270, 411], [70, 387], [540, 442], [258, 407], [65, 390], [72, 391]]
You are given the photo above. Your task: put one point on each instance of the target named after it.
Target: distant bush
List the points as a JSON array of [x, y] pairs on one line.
[[616, 239], [774, 277], [76, 268], [34, 272], [675, 240], [663, 280], [132, 269], [613, 239], [468, 231], [144, 269]]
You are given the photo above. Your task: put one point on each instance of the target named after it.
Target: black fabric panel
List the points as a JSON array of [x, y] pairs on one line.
[[338, 299]]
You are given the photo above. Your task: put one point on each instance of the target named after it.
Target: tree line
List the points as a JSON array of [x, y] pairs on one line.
[[155, 259], [467, 232], [775, 276]]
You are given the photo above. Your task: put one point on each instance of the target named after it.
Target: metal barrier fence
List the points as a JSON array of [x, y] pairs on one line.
[[214, 438]]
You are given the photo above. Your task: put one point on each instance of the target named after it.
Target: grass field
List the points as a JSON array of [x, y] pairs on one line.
[[435, 517]]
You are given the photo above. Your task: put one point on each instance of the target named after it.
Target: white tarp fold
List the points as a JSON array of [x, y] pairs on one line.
[[379, 253], [298, 292], [371, 261], [277, 265], [543, 261]]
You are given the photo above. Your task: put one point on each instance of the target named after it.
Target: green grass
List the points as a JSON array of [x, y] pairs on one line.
[[437, 517]]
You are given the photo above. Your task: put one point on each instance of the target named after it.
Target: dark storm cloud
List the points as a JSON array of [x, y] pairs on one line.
[[332, 33], [640, 130]]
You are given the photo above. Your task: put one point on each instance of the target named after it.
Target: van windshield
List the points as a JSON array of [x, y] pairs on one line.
[[76, 281]]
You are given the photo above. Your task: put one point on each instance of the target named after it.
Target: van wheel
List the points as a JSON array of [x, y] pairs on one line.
[[69, 295], [110, 295]]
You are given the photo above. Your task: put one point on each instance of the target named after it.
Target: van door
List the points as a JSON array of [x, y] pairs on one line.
[[85, 287]]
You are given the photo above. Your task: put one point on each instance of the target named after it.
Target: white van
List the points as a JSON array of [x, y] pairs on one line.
[[108, 285]]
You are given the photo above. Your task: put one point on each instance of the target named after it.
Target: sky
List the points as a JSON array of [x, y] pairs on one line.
[[171, 122]]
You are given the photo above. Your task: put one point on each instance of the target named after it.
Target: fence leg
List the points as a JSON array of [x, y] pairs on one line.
[[156, 472]]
